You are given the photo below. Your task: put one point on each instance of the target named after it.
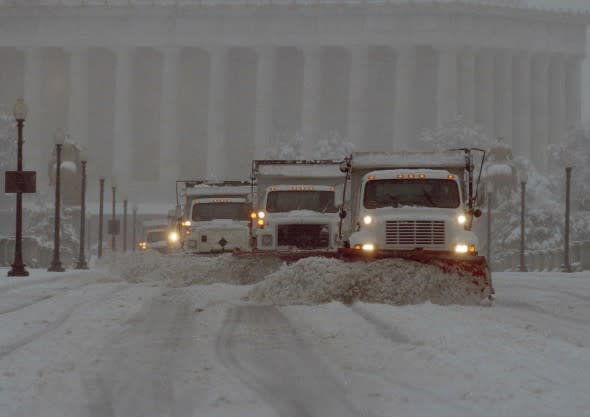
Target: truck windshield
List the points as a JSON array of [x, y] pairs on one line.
[[440, 193], [284, 201], [156, 236], [227, 211]]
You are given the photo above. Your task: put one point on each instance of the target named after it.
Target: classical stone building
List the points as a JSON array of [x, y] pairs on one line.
[[165, 89]]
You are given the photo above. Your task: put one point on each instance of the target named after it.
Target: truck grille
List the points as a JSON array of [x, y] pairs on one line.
[[303, 236], [415, 232]]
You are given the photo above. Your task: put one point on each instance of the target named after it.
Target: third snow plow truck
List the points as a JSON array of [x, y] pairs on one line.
[[415, 206]]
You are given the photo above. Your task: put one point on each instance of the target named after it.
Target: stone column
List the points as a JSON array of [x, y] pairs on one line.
[[357, 100], [574, 91], [557, 101], [503, 102], [169, 138], [216, 131], [78, 96], [311, 99], [123, 164], [265, 78], [540, 98], [404, 113], [447, 78], [467, 85], [522, 117], [486, 97], [36, 149]]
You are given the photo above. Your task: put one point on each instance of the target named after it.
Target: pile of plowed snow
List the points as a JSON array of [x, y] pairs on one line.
[[390, 281], [180, 270]]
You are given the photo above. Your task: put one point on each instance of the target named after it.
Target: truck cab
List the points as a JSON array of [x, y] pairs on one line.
[[296, 208], [411, 202], [157, 234], [216, 216]]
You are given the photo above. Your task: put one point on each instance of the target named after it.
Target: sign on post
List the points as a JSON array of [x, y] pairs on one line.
[[113, 227], [20, 181]]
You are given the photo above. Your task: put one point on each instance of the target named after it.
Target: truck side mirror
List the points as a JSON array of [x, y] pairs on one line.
[[477, 213], [342, 213]]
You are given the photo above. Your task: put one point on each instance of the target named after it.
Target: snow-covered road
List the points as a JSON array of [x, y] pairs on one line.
[[165, 342]]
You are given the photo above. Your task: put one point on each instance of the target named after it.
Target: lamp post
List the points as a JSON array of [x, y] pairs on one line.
[[56, 266], [134, 220], [81, 258], [113, 219], [100, 215], [125, 224], [523, 180], [566, 267], [490, 192], [18, 267]]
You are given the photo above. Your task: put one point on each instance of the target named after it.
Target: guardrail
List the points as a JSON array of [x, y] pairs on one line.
[[548, 260]]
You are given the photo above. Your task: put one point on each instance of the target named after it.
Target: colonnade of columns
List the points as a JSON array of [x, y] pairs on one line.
[[529, 98]]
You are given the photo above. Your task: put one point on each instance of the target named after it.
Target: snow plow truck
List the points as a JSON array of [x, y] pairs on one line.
[[295, 207], [415, 206], [215, 216]]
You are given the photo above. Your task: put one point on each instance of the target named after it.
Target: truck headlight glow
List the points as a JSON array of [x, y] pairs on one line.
[[368, 247], [186, 223], [461, 219], [367, 220], [461, 248], [173, 237], [261, 214]]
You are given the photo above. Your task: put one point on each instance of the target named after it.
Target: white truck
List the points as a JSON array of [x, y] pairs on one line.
[[158, 235], [215, 216], [410, 202], [295, 205]]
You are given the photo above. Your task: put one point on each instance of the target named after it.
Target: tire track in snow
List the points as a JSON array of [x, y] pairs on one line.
[[145, 364], [9, 348], [262, 348], [36, 300]]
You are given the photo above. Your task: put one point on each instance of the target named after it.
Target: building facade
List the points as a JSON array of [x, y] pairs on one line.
[[166, 89]]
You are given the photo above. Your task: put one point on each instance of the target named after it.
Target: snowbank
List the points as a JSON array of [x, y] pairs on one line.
[[390, 281], [179, 270]]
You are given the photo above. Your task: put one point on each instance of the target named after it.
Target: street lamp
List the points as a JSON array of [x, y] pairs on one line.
[[125, 224], [18, 267], [523, 180], [100, 215], [113, 219], [59, 138], [568, 162], [81, 258], [490, 192], [134, 226]]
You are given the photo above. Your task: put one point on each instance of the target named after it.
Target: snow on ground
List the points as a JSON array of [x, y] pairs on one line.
[[152, 335]]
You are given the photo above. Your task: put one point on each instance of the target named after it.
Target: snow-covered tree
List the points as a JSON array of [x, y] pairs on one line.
[[456, 133], [334, 146]]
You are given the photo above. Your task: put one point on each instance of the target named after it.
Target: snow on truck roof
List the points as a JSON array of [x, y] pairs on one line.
[[416, 160], [215, 190], [293, 169]]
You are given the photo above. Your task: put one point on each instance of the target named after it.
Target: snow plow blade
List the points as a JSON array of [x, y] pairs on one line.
[[470, 274]]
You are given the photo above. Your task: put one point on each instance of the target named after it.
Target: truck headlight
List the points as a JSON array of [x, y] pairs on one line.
[[173, 237], [368, 247], [261, 214], [367, 220], [461, 219], [186, 223], [463, 248]]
